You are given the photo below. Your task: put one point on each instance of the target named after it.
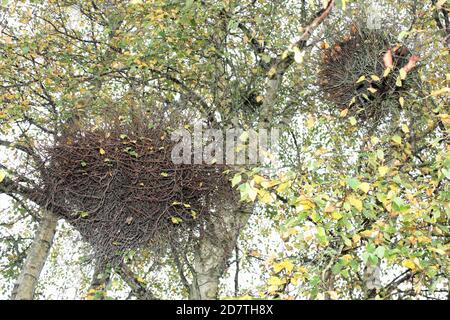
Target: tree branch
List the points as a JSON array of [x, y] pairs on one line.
[[137, 287], [280, 65]]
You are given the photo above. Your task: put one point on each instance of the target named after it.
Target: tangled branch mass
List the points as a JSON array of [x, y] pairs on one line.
[[120, 189], [353, 73]]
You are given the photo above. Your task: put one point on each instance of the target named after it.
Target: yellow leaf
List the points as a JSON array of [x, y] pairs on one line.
[[282, 187], [441, 92], [336, 215], [284, 265], [405, 128], [352, 102], [399, 83], [304, 204], [402, 101], [347, 258], [439, 251], [285, 54], [252, 193], [271, 72], [372, 90], [403, 74], [353, 121], [344, 113], [265, 196], [408, 263], [254, 253], [259, 98], [258, 179], [269, 184], [375, 78], [387, 71], [139, 279], [2, 175], [275, 281], [361, 79], [365, 187], [102, 151], [445, 118], [356, 238], [295, 279], [355, 202], [423, 239], [366, 233], [383, 170], [176, 220], [271, 290]]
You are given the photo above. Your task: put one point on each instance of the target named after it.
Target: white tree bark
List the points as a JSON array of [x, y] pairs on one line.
[[216, 246], [26, 283]]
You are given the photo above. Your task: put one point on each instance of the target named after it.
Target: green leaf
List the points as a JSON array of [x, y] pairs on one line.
[[236, 179], [399, 205], [397, 139], [380, 154], [248, 192], [84, 214], [266, 58], [176, 220], [353, 183], [380, 252]]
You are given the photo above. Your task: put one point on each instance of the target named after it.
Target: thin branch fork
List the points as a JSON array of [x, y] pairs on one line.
[[138, 288]]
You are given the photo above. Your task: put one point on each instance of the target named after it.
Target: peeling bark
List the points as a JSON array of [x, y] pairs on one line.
[[26, 283]]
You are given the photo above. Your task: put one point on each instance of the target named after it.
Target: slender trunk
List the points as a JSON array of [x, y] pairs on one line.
[[26, 283], [216, 247]]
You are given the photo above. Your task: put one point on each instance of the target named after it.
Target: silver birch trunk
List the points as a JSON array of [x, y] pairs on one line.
[[26, 283]]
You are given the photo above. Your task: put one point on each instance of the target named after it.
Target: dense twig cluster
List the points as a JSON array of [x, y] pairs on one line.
[[121, 190], [360, 54]]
